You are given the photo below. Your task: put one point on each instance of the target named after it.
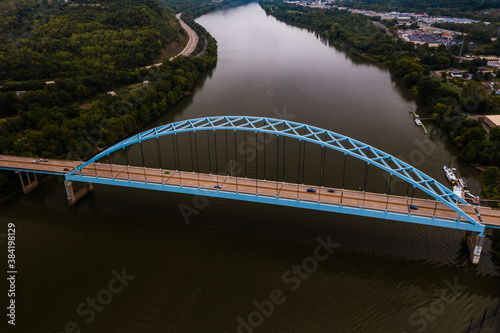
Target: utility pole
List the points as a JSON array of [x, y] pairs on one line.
[[29, 149]]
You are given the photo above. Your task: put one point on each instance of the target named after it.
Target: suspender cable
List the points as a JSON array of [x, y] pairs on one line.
[[303, 161], [256, 165], [284, 152], [178, 158], [160, 163], [111, 166], [95, 169], [143, 164], [173, 152], [435, 208], [245, 154], [323, 162], [386, 182], [191, 148], [411, 202], [388, 193], [216, 164], [209, 155], [236, 163], [126, 162], [367, 168], [227, 155], [343, 179], [277, 162], [322, 172], [264, 156], [298, 169], [197, 157]]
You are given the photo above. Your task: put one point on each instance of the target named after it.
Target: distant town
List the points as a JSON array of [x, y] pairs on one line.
[[422, 31]]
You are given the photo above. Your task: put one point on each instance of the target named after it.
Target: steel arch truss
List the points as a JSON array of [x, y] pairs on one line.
[[325, 138]]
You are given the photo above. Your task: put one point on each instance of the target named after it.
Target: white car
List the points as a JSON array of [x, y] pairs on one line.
[[35, 161]]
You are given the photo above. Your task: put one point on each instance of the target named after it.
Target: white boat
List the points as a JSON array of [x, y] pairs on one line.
[[449, 174], [417, 120]]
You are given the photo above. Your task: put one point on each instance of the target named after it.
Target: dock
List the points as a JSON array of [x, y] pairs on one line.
[[423, 126]]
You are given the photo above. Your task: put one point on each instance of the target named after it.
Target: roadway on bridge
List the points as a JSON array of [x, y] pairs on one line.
[[25, 164], [269, 188]]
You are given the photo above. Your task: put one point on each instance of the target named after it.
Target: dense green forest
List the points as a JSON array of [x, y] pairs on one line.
[[68, 56], [411, 64], [485, 10]]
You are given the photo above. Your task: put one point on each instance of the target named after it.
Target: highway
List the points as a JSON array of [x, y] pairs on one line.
[[267, 188], [193, 38]]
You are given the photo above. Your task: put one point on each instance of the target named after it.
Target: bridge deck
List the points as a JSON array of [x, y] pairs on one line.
[[22, 163], [375, 201]]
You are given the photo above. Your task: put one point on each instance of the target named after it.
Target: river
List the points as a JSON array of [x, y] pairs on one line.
[[232, 266]]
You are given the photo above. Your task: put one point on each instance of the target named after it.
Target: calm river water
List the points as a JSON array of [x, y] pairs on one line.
[[222, 271]]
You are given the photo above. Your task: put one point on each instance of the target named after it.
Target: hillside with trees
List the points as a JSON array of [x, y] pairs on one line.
[[76, 77]]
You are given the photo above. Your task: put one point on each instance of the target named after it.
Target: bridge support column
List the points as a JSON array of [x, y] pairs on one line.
[[74, 197], [27, 188], [474, 243]]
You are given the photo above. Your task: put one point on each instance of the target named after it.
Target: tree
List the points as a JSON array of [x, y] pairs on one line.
[[490, 178]]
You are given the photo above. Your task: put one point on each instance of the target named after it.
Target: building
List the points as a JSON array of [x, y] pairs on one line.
[[493, 120], [456, 73]]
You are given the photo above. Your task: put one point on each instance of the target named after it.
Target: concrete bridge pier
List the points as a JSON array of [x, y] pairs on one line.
[[474, 243], [27, 188], [74, 197]]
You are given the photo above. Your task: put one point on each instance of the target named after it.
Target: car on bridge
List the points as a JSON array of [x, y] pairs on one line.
[[35, 161], [311, 190], [44, 160], [413, 207], [218, 186]]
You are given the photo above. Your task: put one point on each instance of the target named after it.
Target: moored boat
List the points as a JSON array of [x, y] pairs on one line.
[[463, 182], [417, 120], [449, 174]]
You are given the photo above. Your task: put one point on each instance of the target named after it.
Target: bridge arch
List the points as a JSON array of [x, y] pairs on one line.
[[302, 132]]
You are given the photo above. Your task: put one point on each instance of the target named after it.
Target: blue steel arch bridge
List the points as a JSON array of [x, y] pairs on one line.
[[271, 161]]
